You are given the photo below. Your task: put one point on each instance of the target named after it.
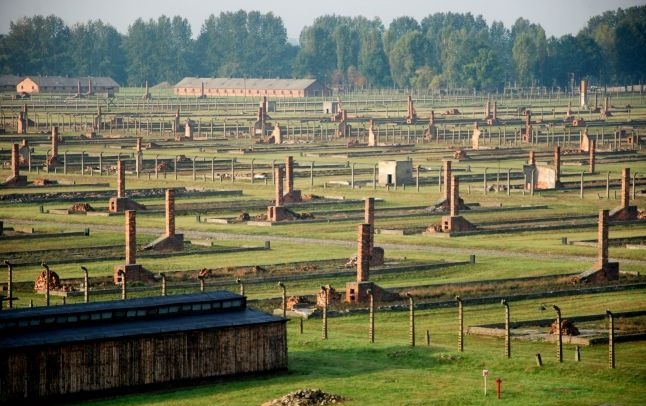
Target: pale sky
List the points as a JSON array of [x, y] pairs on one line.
[[557, 17]]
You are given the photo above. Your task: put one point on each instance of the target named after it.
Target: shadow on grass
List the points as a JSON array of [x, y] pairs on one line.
[[305, 366]]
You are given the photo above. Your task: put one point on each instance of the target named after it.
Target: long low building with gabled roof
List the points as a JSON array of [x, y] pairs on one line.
[[220, 87], [62, 84]]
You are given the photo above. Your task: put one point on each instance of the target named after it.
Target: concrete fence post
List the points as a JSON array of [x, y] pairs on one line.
[[411, 320], [559, 343], [86, 285], [507, 329], [9, 283], [371, 331], [47, 279], [611, 339], [460, 323], [325, 301], [284, 298]]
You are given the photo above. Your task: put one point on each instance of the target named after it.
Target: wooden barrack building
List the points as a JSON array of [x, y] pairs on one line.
[[77, 350], [249, 87]]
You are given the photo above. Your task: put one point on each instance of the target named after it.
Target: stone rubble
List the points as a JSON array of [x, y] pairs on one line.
[[306, 397]]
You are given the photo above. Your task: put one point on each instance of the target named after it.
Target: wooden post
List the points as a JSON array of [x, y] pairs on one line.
[[86, 284], [411, 320], [371, 332], [201, 278], [539, 360], [611, 339], [608, 186], [460, 323], [577, 354], [559, 346], [239, 282], [507, 332], [581, 191]]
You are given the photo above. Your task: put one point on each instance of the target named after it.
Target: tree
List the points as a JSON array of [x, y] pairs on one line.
[[528, 51], [38, 45], [95, 50], [405, 58]]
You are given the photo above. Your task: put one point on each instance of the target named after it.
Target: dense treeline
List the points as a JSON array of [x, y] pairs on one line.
[[442, 50]]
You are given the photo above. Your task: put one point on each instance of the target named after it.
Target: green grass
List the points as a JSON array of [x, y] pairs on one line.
[[389, 372]]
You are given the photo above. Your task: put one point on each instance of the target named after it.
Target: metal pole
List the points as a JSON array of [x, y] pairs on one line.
[[201, 278], [239, 282], [86, 284]]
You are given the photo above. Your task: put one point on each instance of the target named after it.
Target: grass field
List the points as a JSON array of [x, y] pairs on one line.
[[388, 372]]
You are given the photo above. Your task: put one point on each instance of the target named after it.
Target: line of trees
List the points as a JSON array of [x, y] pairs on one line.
[[442, 50]]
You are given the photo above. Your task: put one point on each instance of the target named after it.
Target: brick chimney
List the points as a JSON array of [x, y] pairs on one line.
[[455, 196], [625, 187], [447, 179], [278, 181], [363, 253], [289, 174], [369, 218], [15, 161], [532, 158], [131, 237], [593, 155], [602, 239], [170, 212]]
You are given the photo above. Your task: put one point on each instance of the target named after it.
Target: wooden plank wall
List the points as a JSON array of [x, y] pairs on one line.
[[92, 366]]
